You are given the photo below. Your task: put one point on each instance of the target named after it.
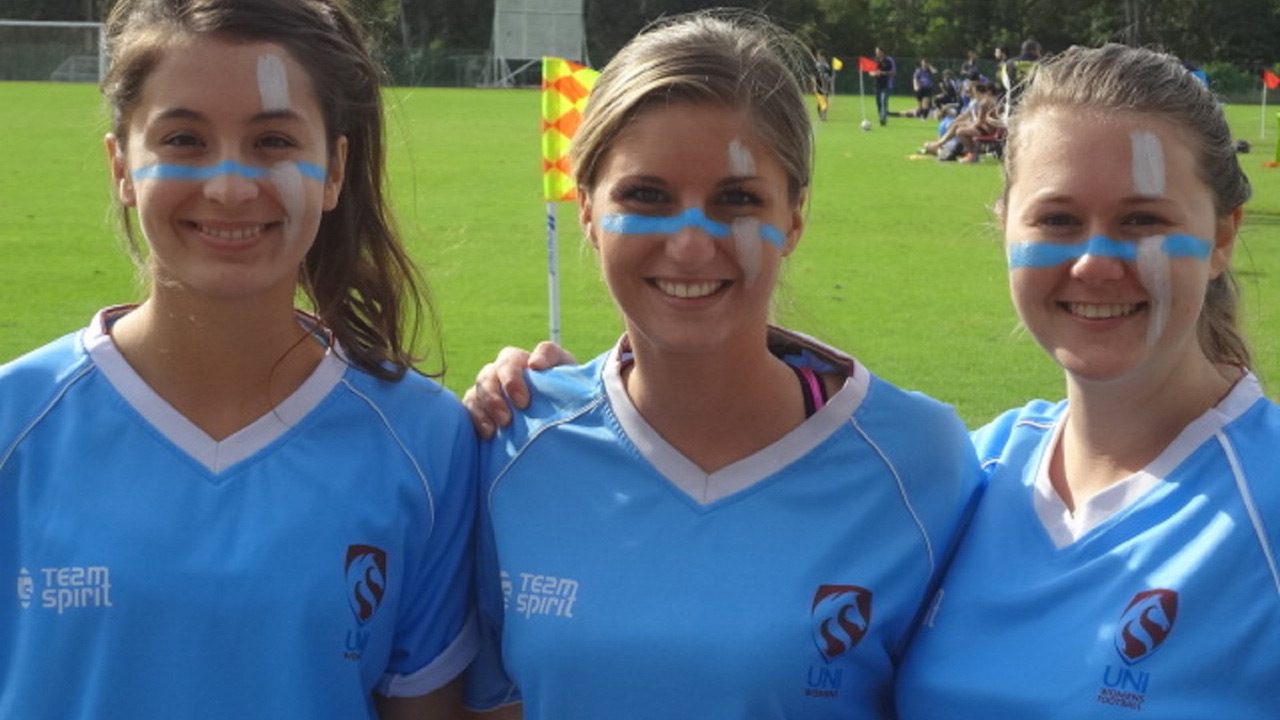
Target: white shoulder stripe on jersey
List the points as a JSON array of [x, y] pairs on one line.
[[1242, 484], [902, 491], [417, 469], [62, 391], [529, 441]]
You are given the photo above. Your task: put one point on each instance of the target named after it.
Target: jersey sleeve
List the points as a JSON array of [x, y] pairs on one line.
[[991, 440], [436, 635], [487, 684]]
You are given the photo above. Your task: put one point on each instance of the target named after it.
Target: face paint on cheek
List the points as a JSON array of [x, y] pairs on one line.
[[1153, 271], [1148, 164], [273, 83], [287, 179], [748, 245]]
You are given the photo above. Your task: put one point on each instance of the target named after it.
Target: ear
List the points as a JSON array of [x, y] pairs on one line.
[[337, 173], [1224, 241], [585, 218], [120, 177], [797, 222]]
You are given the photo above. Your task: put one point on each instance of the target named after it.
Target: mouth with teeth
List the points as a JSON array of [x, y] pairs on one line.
[[689, 290], [1102, 311], [231, 234]]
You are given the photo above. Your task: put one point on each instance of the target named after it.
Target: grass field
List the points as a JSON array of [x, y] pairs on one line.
[[900, 265]]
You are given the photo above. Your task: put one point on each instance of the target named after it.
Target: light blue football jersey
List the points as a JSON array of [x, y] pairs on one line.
[[617, 580], [287, 571], [1165, 605]]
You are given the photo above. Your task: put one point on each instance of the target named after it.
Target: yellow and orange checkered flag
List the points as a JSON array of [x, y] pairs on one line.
[[565, 86]]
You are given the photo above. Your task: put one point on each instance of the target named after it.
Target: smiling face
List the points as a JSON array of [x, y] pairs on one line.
[[227, 162], [691, 215], [1112, 238]]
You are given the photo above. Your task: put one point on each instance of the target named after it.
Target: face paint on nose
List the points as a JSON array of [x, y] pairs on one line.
[[1148, 164], [671, 224], [273, 83]]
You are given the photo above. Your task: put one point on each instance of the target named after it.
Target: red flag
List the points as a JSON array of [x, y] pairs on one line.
[[866, 64], [1270, 79]]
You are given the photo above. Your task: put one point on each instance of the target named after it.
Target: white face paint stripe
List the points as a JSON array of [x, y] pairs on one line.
[[741, 162], [1154, 272], [273, 83], [1148, 164], [749, 247], [288, 182]]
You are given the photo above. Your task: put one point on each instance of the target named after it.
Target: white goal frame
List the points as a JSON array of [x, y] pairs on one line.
[[98, 28], [526, 30]]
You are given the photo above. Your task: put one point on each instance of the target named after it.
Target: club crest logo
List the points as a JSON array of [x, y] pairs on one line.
[[841, 615], [1145, 623], [366, 580]]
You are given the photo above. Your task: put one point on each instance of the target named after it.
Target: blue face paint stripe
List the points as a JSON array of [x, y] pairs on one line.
[[166, 171], [1043, 255], [672, 224]]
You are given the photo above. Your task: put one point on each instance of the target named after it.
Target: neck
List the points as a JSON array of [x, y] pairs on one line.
[[715, 407], [221, 364], [1116, 428]]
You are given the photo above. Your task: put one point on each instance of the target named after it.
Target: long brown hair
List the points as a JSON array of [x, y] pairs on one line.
[[357, 276]]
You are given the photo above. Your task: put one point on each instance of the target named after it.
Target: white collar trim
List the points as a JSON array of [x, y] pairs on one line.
[[215, 455], [1065, 527], [705, 489]]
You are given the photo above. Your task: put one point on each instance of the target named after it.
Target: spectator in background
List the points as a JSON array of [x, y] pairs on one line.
[[886, 68], [969, 68], [922, 82], [824, 83], [1001, 59], [950, 95]]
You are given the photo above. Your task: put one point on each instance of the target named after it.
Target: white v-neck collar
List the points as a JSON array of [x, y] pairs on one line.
[[705, 489], [215, 455], [1065, 527]]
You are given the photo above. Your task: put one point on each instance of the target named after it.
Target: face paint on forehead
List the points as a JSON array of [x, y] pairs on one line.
[[741, 162], [273, 83], [1148, 163], [1044, 255], [671, 224]]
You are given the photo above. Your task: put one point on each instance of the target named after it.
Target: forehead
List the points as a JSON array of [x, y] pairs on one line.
[[1108, 151], [687, 137], [210, 73]]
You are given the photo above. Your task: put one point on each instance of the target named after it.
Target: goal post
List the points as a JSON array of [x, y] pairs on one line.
[[526, 30], [51, 50]]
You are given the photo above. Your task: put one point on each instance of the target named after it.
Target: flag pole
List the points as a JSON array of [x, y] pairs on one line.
[[862, 98], [1262, 126], [553, 274]]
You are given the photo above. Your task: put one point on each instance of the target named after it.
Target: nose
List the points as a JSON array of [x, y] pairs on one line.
[[1091, 268], [691, 245], [231, 186]]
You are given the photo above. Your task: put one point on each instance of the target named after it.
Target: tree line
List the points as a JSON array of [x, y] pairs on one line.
[[1239, 32]]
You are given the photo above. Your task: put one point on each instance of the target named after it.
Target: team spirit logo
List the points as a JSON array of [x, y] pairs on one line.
[[1146, 623], [366, 580], [841, 615]]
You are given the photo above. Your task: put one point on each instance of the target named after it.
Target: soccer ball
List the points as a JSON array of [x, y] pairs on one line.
[[866, 125]]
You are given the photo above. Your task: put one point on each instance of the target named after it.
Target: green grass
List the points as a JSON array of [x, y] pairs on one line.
[[900, 264]]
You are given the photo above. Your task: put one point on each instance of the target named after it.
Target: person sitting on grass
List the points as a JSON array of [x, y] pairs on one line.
[[981, 117]]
